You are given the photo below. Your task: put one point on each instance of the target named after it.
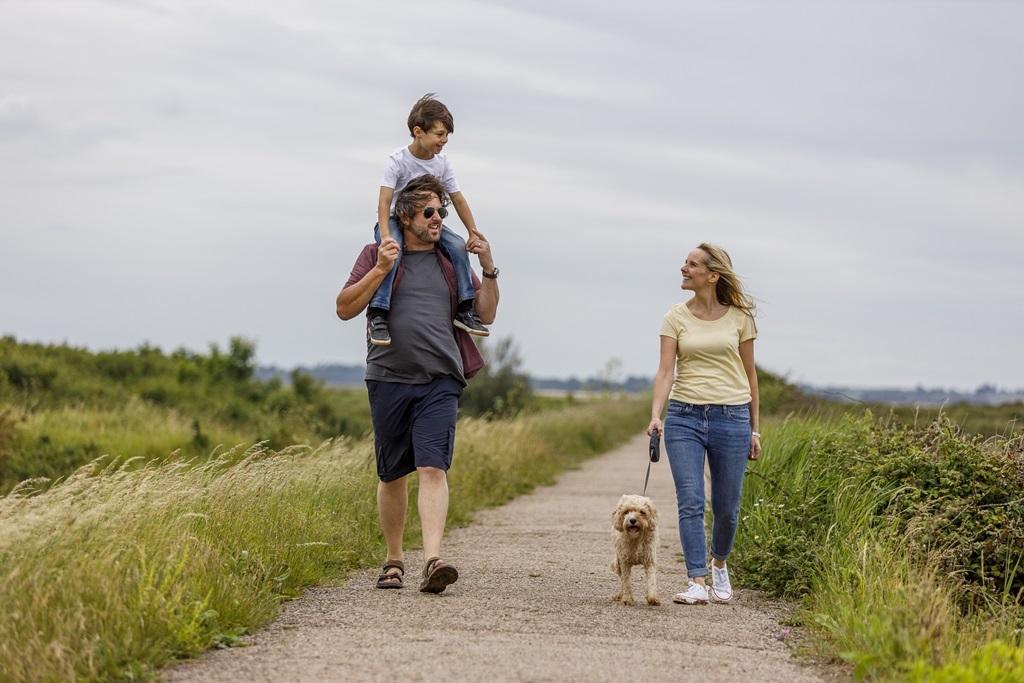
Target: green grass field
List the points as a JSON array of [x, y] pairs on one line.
[[161, 504], [110, 574]]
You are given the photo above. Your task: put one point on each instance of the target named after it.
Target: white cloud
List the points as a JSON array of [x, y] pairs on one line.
[[191, 171]]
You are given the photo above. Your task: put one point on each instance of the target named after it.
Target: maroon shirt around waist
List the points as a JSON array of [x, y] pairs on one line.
[[472, 361]]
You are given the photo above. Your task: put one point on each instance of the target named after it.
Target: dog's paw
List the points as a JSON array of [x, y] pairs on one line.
[[653, 600], [628, 600]]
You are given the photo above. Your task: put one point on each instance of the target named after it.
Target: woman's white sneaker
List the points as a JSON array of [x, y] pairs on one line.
[[695, 594], [721, 589]]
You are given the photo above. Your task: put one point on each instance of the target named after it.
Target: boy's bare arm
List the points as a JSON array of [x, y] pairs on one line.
[[353, 299], [384, 211], [465, 215]]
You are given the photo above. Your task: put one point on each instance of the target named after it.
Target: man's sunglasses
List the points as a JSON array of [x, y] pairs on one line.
[[429, 212]]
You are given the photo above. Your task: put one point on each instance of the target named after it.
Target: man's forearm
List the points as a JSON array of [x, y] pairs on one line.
[[352, 300], [487, 300]]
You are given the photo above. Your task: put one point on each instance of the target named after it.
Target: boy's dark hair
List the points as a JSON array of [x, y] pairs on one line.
[[417, 193], [427, 111]]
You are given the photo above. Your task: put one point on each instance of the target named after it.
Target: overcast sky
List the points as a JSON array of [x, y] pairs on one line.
[[181, 172]]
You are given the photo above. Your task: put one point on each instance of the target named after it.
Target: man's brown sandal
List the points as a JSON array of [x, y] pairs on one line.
[[391, 579], [437, 575]]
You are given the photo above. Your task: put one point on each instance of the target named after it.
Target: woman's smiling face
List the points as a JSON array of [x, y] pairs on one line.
[[695, 274]]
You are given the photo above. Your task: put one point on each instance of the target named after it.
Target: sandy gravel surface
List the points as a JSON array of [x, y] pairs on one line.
[[533, 603]]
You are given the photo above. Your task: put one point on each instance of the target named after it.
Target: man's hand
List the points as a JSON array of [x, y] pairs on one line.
[[387, 254], [487, 295], [482, 248]]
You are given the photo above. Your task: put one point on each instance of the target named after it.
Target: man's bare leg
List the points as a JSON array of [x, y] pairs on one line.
[[433, 504], [392, 502]]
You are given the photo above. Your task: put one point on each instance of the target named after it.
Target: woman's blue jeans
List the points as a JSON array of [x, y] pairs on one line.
[[723, 432], [452, 245]]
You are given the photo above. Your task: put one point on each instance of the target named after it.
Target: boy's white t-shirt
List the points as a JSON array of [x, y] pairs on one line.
[[402, 167]]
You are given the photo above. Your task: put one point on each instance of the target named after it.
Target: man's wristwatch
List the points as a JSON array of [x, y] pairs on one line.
[[493, 274]]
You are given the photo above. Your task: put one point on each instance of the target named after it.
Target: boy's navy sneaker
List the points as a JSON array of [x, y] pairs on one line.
[[379, 330], [468, 321]]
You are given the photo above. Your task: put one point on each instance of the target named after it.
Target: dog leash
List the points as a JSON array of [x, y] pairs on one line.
[[654, 451]]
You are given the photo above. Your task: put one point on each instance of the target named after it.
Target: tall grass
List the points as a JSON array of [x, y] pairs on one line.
[[54, 442], [109, 575], [903, 544], [61, 407]]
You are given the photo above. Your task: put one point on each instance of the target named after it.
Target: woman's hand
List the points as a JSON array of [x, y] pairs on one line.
[[755, 447], [655, 426]]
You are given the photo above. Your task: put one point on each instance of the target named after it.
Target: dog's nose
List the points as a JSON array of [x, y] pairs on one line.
[[632, 522]]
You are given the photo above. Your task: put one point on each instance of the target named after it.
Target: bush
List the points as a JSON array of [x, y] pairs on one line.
[[906, 543], [995, 662], [956, 499], [501, 388]]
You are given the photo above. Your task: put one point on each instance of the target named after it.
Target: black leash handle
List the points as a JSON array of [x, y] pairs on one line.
[[654, 451]]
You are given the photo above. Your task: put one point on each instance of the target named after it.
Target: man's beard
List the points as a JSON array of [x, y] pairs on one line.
[[424, 235]]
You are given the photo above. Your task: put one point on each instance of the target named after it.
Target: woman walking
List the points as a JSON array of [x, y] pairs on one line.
[[708, 342]]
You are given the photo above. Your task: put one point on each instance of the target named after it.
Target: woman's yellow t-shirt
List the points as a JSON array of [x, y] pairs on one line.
[[708, 365]]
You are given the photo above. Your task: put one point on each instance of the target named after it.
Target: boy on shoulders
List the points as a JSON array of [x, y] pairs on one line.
[[430, 124]]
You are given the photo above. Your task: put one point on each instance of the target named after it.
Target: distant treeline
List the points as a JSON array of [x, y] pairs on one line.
[[985, 395], [351, 375]]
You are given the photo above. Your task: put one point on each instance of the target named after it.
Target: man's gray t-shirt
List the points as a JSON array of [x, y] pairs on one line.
[[423, 344]]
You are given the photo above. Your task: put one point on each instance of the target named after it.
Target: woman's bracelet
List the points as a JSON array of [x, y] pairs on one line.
[[757, 434]]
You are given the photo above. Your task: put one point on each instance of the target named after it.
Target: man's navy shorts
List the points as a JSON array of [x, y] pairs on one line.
[[413, 425]]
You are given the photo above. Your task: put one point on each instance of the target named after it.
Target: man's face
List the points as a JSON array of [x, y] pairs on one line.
[[427, 230]]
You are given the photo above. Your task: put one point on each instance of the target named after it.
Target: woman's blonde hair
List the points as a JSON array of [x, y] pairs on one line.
[[728, 289]]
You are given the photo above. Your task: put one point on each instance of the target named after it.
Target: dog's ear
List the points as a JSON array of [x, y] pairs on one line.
[[652, 512], [620, 512]]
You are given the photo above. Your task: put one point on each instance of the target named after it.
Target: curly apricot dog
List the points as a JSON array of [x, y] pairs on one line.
[[635, 521]]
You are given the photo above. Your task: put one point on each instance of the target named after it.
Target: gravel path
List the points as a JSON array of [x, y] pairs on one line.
[[533, 603]]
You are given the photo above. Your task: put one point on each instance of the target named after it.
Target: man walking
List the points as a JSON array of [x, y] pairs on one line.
[[414, 385]]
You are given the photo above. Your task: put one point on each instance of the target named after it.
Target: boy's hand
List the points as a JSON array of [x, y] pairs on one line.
[[387, 254]]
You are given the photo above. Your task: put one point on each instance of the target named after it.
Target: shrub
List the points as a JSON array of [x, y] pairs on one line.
[[904, 542], [956, 498], [501, 388], [995, 662]]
